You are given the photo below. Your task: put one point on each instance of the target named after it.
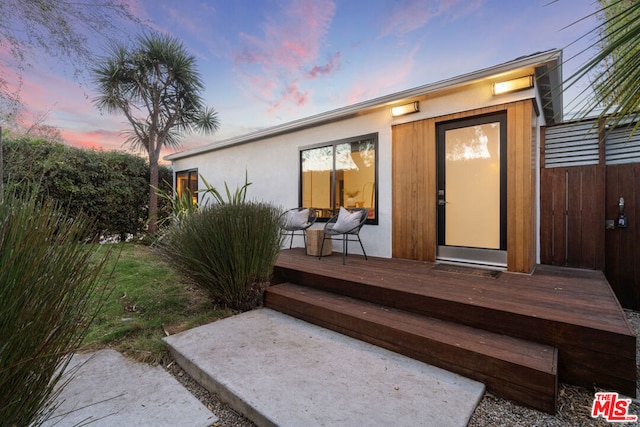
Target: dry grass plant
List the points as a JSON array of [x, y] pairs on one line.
[[228, 249], [47, 280]]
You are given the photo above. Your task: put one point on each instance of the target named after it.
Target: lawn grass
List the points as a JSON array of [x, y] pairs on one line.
[[146, 302]]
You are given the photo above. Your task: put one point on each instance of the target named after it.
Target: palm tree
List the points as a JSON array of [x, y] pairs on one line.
[[615, 69], [156, 86]]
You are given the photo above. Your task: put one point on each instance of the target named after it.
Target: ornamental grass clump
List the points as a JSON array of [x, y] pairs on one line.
[[228, 249], [47, 279]]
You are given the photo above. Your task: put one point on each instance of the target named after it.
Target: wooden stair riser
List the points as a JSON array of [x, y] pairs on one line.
[[580, 355], [502, 376]]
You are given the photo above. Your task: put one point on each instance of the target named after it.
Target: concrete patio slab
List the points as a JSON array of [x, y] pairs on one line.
[[278, 370]]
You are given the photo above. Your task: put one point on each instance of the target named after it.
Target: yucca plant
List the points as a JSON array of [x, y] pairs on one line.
[[47, 278], [236, 198], [228, 249], [182, 205]]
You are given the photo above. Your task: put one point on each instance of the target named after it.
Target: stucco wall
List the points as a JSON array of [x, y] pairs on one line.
[[273, 168]]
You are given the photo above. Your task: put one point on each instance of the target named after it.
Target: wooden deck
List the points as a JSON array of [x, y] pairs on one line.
[[571, 310]]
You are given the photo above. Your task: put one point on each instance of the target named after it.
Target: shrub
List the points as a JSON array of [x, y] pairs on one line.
[[46, 281], [109, 186], [228, 249]]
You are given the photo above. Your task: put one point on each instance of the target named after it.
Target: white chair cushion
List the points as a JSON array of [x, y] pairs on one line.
[[346, 220], [297, 219]]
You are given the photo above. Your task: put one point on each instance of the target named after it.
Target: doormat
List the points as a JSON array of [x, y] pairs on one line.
[[478, 272]]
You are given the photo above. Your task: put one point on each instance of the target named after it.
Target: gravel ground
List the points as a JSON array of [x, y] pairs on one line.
[[574, 403], [227, 417]]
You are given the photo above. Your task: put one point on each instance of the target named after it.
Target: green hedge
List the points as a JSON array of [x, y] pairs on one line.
[[112, 187]]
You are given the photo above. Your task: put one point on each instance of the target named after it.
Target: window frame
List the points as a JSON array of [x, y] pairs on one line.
[[334, 192], [189, 174]]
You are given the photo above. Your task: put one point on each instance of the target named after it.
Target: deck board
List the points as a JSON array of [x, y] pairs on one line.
[[581, 297], [573, 310]]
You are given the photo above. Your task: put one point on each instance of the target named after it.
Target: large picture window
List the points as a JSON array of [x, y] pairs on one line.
[[340, 173], [187, 181]]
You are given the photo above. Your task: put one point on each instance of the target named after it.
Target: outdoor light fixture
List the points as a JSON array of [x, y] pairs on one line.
[[509, 86], [401, 110]]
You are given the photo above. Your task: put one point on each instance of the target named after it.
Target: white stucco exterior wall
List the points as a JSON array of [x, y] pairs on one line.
[[273, 167]]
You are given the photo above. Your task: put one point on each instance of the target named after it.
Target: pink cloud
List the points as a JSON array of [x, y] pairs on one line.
[[276, 63], [327, 69], [51, 100], [43, 95], [383, 79], [292, 95], [98, 140], [290, 38], [416, 13]]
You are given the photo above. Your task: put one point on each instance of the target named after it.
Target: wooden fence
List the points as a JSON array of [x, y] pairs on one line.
[[579, 195], [622, 245]]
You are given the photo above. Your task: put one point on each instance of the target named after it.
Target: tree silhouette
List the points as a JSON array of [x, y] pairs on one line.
[[156, 86]]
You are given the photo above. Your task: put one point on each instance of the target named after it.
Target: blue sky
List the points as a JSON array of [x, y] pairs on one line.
[[267, 62]]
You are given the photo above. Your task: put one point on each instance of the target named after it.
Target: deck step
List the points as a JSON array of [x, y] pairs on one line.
[[516, 369]]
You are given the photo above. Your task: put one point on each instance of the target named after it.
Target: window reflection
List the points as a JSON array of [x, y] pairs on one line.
[[187, 181], [473, 142], [317, 172], [340, 174]]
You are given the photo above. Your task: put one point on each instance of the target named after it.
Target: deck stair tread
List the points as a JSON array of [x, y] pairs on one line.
[[518, 369]]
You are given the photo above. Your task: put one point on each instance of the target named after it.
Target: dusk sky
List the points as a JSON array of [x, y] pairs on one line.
[[267, 62]]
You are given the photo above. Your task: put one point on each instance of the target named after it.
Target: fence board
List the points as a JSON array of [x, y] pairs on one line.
[[574, 216], [593, 244], [546, 215], [559, 217]]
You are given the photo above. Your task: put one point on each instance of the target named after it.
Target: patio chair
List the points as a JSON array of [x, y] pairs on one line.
[[296, 221], [347, 223]]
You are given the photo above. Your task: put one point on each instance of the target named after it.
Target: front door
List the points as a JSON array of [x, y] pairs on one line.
[[471, 191]]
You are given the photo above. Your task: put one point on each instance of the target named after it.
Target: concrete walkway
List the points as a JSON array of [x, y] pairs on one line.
[[276, 370], [110, 390], [281, 371]]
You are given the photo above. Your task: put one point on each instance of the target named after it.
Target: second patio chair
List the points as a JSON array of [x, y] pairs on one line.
[[347, 223]]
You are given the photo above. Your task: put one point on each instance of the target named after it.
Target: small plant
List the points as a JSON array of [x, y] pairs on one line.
[[228, 249], [352, 194], [182, 205], [46, 280], [236, 198]]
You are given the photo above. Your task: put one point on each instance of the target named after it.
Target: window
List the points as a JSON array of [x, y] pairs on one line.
[[340, 173], [187, 181]]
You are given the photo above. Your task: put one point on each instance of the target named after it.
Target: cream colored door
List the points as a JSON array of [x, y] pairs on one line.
[[472, 190]]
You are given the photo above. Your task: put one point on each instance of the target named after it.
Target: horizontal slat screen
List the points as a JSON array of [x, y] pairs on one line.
[[572, 144], [622, 147], [576, 144]]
